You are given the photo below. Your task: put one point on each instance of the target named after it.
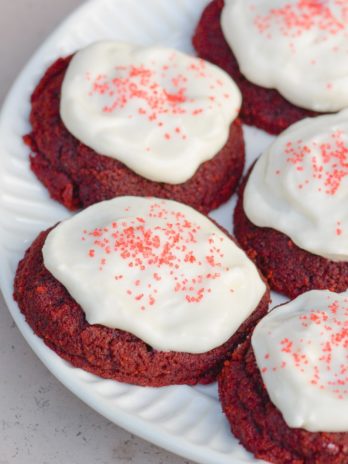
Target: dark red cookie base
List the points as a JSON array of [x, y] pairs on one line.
[[114, 354], [259, 425], [77, 176], [263, 108], [288, 269]]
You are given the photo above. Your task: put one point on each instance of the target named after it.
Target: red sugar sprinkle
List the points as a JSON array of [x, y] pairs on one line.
[[295, 18], [323, 371], [156, 89], [328, 162], [339, 230], [163, 252]]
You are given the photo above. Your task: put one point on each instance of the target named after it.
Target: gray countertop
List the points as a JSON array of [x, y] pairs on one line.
[[41, 421]]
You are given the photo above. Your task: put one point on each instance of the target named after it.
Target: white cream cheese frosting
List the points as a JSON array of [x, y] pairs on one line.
[[299, 186], [157, 269], [299, 47], [159, 111], [301, 349]]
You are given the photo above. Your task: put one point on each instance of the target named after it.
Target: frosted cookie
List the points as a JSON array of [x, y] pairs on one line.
[[117, 119], [285, 389], [291, 216], [287, 56], [140, 290]]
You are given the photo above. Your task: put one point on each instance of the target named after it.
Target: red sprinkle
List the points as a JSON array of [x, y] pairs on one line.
[[295, 18], [158, 90], [328, 162], [332, 324], [163, 252]]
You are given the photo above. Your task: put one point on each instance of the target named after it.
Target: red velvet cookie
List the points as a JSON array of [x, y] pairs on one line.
[[288, 269], [110, 353], [259, 425], [263, 108], [77, 176]]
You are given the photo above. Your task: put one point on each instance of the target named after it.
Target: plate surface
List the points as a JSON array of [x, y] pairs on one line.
[[182, 419]]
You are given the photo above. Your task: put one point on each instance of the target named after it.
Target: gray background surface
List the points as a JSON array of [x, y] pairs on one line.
[[41, 422]]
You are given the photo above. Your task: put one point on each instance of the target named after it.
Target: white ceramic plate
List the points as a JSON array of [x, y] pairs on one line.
[[185, 420]]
